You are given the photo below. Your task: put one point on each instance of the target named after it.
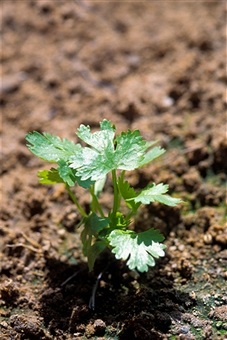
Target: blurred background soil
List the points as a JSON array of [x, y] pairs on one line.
[[154, 66]]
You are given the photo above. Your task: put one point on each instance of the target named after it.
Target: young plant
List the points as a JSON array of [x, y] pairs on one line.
[[88, 166]]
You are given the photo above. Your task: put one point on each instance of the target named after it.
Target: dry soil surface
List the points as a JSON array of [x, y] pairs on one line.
[[157, 66]]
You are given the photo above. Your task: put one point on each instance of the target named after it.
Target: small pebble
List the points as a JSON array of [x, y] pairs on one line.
[[181, 247], [99, 327], [184, 329], [207, 238]]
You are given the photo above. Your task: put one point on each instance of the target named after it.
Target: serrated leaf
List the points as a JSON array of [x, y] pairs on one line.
[[96, 162], [106, 153], [151, 155], [140, 250], [84, 183], [51, 148], [130, 150], [127, 192], [156, 193], [49, 176], [66, 173], [99, 140], [52, 176], [92, 164]]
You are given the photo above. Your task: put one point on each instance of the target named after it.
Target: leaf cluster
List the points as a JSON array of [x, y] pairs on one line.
[[106, 153]]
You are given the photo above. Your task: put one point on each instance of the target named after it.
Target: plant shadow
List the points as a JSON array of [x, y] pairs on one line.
[[130, 305]]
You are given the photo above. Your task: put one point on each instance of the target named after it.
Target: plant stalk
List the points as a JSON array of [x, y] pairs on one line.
[[75, 201], [95, 202], [116, 193]]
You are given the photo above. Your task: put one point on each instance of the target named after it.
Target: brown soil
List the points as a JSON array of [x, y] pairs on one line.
[[156, 66]]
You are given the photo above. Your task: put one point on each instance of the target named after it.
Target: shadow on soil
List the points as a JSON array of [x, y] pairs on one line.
[[136, 306]]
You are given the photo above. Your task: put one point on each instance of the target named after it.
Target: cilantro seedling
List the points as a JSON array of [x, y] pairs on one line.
[[88, 166]]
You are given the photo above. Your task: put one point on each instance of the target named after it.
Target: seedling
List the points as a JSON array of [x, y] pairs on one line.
[[88, 166]]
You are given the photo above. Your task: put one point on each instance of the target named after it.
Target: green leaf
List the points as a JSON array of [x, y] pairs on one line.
[[156, 193], [151, 155], [99, 140], [51, 148], [127, 192], [69, 177], [93, 253], [66, 173], [63, 174], [127, 151], [93, 225], [49, 176], [99, 185], [96, 162], [84, 183], [140, 250], [130, 150]]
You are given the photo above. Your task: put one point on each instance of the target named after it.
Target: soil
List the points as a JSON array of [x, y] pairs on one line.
[[154, 66]]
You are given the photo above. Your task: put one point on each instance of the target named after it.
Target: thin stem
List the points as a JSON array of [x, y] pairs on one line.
[[95, 202], [75, 201], [116, 193], [130, 214]]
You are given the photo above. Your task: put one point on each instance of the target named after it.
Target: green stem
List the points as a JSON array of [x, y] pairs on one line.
[[75, 201], [130, 215], [95, 203], [116, 193]]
